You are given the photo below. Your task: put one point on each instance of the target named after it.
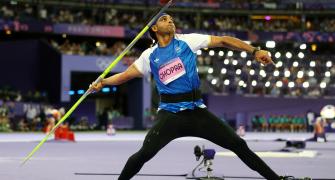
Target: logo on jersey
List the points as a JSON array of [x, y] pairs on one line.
[[171, 71], [156, 60], [178, 49]]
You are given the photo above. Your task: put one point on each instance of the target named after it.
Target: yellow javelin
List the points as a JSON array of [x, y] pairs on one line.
[[107, 70]]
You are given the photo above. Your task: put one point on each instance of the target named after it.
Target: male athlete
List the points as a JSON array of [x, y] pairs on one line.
[[172, 61]]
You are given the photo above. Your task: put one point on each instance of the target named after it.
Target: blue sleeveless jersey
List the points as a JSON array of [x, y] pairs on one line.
[[174, 68]]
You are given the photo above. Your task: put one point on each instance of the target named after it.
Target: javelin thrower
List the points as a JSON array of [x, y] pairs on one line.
[[172, 62]]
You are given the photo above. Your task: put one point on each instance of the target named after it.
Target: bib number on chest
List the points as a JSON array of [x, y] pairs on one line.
[[171, 71]]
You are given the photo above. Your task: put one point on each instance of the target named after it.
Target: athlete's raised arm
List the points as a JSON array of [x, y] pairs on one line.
[[261, 56]]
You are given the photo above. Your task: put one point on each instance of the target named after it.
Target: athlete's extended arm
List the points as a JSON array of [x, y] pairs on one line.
[[237, 44], [120, 78]]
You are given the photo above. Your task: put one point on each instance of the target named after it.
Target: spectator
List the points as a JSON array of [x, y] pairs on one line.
[[31, 117], [4, 119]]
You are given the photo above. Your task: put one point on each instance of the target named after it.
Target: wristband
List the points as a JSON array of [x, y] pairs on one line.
[[255, 50]]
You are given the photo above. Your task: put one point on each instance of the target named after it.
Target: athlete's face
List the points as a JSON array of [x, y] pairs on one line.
[[164, 25]]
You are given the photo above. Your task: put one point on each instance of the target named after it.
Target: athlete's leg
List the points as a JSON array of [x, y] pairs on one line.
[[210, 127], [164, 131]]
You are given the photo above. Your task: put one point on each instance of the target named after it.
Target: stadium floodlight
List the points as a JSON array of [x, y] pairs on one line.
[[278, 55], [279, 84], [262, 73], [300, 74], [252, 72], [238, 71], [329, 64], [314, 47], [243, 54], [226, 82], [270, 44], [288, 55], [210, 70], [305, 84], [287, 73], [211, 52], [267, 84], [279, 64], [97, 44], [254, 83], [223, 71], [226, 61], [295, 64], [241, 83], [311, 73], [291, 84], [303, 46], [230, 53], [301, 55], [323, 85]]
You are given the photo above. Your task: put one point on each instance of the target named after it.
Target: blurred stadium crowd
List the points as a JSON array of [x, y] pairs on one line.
[[136, 19], [38, 115]]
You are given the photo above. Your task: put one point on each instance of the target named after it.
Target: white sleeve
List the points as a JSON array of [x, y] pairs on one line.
[[195, 41], [143, 63]]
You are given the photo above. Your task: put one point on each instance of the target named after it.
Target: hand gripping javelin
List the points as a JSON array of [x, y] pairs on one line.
[[107, 70]]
